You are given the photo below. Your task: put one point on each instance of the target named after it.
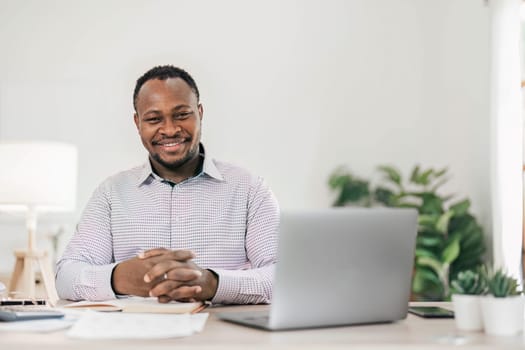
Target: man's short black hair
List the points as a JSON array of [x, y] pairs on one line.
[[163, 73]]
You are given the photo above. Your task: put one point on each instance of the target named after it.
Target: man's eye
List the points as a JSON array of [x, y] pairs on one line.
[[153, 120], [183, 115]]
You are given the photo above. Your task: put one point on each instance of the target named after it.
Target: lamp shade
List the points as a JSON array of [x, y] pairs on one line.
[[38, 175]]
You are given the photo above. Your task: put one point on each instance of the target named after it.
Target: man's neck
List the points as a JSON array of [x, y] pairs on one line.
[[190, 169]]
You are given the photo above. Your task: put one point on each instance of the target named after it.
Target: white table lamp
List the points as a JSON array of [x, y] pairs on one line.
[[36, 177]]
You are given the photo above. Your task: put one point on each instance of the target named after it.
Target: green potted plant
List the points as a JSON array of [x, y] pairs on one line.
[[467, 289], [450, 238], [502, 309]]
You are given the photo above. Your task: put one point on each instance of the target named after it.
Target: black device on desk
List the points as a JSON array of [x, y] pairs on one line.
[[10, 302], [431, 312], [23, 313]]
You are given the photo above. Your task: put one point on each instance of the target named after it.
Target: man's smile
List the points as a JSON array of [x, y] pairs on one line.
[[170, 145]]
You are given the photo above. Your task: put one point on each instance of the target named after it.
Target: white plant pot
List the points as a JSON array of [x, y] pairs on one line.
[[467, 312], [502, 316]]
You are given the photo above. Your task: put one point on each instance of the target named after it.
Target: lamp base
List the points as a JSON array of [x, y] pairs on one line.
[[23, 278]]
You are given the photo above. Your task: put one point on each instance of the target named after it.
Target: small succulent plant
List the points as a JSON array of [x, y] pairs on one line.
[[470, 282], [502, 285]]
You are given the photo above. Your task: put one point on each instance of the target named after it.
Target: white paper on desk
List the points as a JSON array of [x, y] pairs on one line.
[[99, 325], [198, 321]]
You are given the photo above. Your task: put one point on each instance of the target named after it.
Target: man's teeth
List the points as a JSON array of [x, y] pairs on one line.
[[171, 144]]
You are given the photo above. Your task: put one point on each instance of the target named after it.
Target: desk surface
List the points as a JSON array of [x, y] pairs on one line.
[[413, 332]]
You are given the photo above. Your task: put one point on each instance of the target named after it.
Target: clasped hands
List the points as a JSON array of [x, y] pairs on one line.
[[165, 274]]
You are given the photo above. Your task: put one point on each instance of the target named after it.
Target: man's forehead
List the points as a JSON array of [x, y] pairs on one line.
[[155, 90]]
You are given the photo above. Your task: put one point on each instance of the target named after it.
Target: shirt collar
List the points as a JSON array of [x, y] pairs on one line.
[[208, 167], [145, 173]]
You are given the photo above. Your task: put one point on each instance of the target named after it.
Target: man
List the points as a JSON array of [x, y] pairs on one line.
[[182, 226]]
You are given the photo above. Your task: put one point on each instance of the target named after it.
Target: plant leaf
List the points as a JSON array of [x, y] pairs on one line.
[[427, 220], [438, 184], [461, 208], [338, 178], [425, 252], [431, 241], [424, 278], [355, 190], [391, 173], [441, 172], [433, 263], [415, 174], [424, 178], [432, 204], [442, 223], [451, 251], [385, 196]]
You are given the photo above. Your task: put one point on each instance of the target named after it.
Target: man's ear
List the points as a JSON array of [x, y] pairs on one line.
[[201, 111], [136, 119]]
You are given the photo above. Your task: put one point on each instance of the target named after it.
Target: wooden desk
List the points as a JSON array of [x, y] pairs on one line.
[[412, 333]]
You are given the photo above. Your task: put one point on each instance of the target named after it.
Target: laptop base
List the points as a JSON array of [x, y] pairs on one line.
[[255, 319]]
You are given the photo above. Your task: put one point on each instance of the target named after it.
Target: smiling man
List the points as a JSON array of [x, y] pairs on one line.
[[182, 226]]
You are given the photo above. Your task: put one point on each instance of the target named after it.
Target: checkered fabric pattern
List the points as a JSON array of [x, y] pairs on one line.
[[226, 216]]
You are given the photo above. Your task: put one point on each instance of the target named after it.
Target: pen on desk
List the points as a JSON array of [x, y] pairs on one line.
[[202, 307], [22, 302]]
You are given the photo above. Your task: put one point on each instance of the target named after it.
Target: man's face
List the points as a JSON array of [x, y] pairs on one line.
[[168, 119]]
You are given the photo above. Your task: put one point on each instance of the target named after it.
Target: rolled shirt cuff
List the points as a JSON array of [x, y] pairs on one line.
[[239, 287], [87, 282]]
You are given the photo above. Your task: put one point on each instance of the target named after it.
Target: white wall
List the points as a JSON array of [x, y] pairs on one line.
[[291, 89]]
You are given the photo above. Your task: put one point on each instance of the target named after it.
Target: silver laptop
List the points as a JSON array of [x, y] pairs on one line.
[[339, 266]]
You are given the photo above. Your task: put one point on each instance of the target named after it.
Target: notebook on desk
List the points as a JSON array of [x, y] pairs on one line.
[[138, 305], [339, 266]]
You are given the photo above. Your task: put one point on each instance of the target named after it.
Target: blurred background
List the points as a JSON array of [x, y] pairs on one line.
[[291, 89]]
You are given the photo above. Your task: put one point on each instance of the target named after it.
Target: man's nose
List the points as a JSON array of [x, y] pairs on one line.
[[170, 127]]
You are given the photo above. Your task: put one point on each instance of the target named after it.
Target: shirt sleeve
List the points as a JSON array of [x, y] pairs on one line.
[[84, 270], [254, 285]]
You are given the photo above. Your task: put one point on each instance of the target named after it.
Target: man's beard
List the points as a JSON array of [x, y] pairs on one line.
[[190, 155]]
